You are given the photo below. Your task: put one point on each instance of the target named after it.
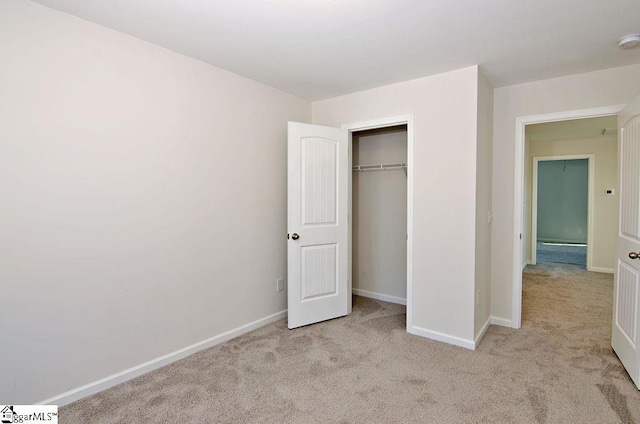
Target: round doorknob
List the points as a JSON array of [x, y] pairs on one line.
[[295, 236], [634, 255]]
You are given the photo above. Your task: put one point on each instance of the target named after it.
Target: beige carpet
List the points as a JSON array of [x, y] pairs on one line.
[[559, 368]]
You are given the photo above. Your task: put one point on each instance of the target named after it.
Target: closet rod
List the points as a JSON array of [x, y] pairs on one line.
[[379, 167]]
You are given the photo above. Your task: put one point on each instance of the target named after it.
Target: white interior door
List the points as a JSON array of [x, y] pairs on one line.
[[317, 213], [624, 338]]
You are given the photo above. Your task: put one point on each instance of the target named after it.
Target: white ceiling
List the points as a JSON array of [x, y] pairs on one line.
[[318, 49]]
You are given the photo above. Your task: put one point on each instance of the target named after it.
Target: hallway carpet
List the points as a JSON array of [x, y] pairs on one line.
[[364, 368], [553, 253]]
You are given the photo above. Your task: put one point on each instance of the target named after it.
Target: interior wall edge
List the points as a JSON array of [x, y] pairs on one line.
[[481, 332]]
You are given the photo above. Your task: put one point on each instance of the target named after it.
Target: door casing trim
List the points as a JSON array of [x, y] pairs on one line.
[[518, 191], [382, 123], [590, 195]]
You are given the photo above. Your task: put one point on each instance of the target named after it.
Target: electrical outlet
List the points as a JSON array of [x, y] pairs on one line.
[[280, 284]]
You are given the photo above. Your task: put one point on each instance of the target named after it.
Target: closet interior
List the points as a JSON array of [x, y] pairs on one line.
[[379, 208]]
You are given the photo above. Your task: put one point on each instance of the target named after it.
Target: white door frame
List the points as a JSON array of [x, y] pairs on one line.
[[382, 123], [534, 201], [518, 195]]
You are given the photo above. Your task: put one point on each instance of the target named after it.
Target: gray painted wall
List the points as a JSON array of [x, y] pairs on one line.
[[563, 192], [125, 217]]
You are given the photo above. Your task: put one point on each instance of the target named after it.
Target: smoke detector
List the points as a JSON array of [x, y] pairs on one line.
[[629, 41]]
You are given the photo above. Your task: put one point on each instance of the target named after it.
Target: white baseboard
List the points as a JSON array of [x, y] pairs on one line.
[[441, 337], [379, 296], [480, 334], [603, 270], [500, 321], [128, 374]]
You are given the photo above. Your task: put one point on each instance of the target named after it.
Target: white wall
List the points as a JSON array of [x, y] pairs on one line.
[[582, 91], [483, 204], [605, 208], [380, 216], [143, 201], [444, 108]]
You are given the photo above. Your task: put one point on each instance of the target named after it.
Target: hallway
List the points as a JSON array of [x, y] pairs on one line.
[[548, 253]]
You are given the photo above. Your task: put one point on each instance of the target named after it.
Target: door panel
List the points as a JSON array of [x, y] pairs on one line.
[[629, 184], [319, 271], [318, 172], [319, 181], [626, 302], [626, 297]]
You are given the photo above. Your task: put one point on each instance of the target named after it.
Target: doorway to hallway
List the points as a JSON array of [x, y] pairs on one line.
[[561, 209]]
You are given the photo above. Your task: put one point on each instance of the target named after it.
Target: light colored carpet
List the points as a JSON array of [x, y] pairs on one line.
[[364, 368]]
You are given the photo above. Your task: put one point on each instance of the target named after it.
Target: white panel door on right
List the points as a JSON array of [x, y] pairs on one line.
[[626, 296], [317, 214]]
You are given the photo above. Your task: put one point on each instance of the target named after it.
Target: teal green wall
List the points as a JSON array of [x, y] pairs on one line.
[[563, 190]]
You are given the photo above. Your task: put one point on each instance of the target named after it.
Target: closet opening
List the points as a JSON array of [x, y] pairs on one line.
[[379, 209]]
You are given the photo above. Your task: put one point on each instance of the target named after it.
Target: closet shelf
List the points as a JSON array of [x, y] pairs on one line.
[[380, 167]]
